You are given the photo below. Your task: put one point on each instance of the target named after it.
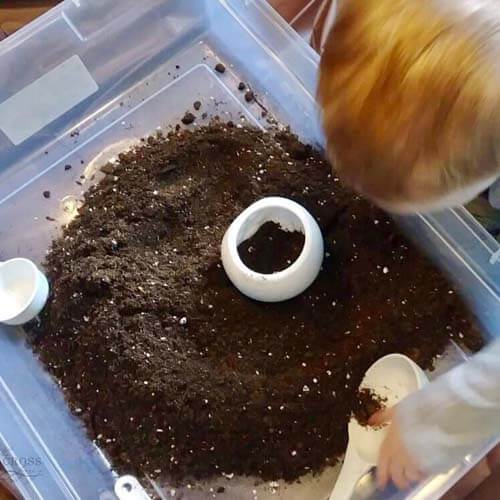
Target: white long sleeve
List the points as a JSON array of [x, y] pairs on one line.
[[455, 414]]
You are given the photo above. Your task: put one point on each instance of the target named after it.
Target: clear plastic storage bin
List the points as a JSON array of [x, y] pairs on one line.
[[91, 73]]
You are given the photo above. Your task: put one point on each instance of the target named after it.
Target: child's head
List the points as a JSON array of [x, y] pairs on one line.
[[410, 91]]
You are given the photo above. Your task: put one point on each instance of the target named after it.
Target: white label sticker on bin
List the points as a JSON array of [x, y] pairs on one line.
[[46, 99]]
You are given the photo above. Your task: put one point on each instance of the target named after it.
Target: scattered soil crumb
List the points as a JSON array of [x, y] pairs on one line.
[[46, 194], [249, 96], [197, 105], [242, 86], [220, 68], [188, 118], [67, 167]]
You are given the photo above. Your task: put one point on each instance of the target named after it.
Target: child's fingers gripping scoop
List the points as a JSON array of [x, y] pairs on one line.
[[392, 377], [293, 280]]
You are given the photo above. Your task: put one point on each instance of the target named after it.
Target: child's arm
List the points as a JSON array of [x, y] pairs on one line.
[[438, 426]]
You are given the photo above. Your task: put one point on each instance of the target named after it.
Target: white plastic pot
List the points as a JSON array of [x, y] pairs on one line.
[[293, 280]]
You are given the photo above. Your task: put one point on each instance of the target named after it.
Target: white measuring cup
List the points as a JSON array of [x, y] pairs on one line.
[[392, 378], [24, 290]]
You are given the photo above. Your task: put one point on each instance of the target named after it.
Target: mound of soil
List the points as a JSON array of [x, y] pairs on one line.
[[176, 373]]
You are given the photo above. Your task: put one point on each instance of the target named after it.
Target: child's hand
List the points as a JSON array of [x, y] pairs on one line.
[[395, 461]]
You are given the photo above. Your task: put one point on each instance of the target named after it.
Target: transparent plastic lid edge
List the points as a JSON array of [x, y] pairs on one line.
[[468, 248]]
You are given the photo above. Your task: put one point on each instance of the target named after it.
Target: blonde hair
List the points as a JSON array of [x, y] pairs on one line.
[[410, 94]]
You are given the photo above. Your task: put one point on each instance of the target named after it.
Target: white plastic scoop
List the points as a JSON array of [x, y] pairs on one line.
[[24, 290], [392, 378]]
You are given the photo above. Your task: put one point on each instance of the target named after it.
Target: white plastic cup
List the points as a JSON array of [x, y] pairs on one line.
[[293, 280], [24, 290]]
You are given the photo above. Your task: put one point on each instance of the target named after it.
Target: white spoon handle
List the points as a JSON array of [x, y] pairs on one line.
[[352, 470]]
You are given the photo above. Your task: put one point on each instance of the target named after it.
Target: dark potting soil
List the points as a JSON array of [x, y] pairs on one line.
[[271, 249], [173, 371], [367, 404]]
